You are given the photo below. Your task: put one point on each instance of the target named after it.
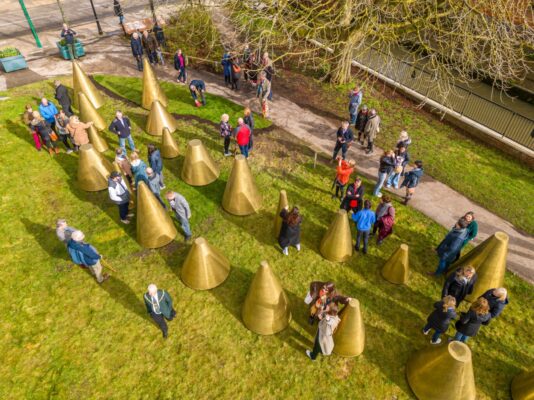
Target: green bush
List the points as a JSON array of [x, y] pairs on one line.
[[63, 42], [9, 52]]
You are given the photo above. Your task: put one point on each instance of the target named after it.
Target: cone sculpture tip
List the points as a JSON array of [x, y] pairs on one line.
[[169, 147], [241, 196], [98, 142], [159, 118], [93, 169], [396, 268], [151, 88], [82, 83], [88, 112], [282, 203], [337, 241], [199, 169]]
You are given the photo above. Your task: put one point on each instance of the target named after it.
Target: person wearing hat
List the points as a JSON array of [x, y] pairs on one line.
[[84, 254], [158, 304], [64, 231], [119, 194], [404, 140], [411, 180]]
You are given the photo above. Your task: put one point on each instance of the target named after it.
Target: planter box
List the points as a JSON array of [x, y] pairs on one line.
[[13, 63], [64, 50]]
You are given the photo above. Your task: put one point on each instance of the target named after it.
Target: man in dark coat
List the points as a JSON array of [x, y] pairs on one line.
[[361, 121], [122, 128], [450, 246], [150, 45], [137, 50], [62, 96], [159, 306], [344, 140], [117, 10], [353, 199], [68, 34], [197, 88], [160, 35], [460, 283]]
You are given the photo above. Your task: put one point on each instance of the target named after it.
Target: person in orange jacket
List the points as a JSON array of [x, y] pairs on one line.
[[343, 171]]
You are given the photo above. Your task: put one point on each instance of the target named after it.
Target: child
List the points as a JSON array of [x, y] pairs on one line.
[[470, 322], [124, 164], [440, 318], [343, 171]]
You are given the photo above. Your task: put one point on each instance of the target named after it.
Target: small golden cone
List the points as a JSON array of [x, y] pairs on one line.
[[282, 203], [169, 147], [443, 372], [151, 88], [159, 118], [337, 241], [98, 142], [88, 113], [523, 386], [93, 169], [154, 226], [397, 268], [489, 261], [199, 169], [266, 308], [205, 267], [241, 197], [349, 338], [82, 84]]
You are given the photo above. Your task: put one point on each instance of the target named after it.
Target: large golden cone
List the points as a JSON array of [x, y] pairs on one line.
[[337, 241], [159, 118], [241, 197], [199, 169], [266, 308], [117, 167], [169, 148], [154, 226], [489, 260], [93, 169], [88, 112], [82, 84], [443, 372], [98, 142], [205, 267], [151, 89], [349, 338], [397, 268], [282, 203], [523, 386]]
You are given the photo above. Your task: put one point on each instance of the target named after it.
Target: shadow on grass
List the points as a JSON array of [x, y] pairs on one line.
[[121, 293], [46, 237], [231, 294]]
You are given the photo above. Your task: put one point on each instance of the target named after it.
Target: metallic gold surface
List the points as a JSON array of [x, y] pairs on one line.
[[282, 203], [443, 372], [151, 89], [397, 268], [154, 226], [199, 169], [489, 260], [205, 267], [241, 197], [266, 308], [98, 142], [523, 386], [349, 337], [89, 113], [337, 241], [82, 83], [169, 147], [93, 169], [159, 118]]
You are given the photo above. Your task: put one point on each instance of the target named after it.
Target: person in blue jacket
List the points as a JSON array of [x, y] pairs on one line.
[[137, 50], [197, 88], [364, 220], [450, 246], [497, 300], [226, 63], [411, 180], [48, 111], [156, 163], [84, 254]]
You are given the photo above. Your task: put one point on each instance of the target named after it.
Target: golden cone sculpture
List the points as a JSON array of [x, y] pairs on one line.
[[169, 147], [397, 268], [151, 89], [205, 267], [523, 386], [88, 112], [199, 169], [82, 84], [159, 118], [93, 169], [442, 372], [241, 197], [266, 308], [282, 203], [116, 167], [154, 226], [337, 241], [349, 338], [489, 260], [98, 142]]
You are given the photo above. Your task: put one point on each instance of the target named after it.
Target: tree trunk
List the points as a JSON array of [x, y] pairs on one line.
[[343, 56]]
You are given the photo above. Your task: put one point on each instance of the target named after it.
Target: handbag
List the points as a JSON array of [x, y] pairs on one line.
[[398, 169], [53, 136], [308, 299]]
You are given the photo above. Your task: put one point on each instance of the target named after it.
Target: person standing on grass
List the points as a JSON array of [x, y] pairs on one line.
[[242, 136], [85, 255], [124, 164], [411, 180], [48, 137], [450, 246], [319, 296], [154, 185], [64, 231], [27, 119], [472, 231], [344, 138], [401, 160], [355, 99], [385, 219], [290, 230], [469, 323], [324, 339], [137, 50], [361, 121], [156, 163], [440, 319], [225, 130], [48, 111], [138, 169], [404, 140], [387, 163], [353, 199], [119, 194], [150, 45], [460, 283], [343, 172], [372, 128], [497, 300], [62, 96], [249, 120], [226, 63], [179, 65], [197, 88], [68, 34], [123, 129], [182, 212], [61, 127], [78, 132], [159, 306], [264, 88], [364, 220]]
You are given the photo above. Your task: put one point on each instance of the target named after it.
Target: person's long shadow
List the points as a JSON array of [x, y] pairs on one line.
[[126, 297], [45, 236], [231, 294]]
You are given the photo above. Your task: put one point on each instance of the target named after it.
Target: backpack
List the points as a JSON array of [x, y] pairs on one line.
[[236, 68]]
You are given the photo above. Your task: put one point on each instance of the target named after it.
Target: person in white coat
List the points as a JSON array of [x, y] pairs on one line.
[[324, 340], [119, 194]]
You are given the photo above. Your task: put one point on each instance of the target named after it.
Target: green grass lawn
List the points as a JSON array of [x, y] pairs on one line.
[[66, 337]]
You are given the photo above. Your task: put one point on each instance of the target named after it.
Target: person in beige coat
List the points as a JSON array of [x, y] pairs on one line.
[[77, 130], [324, 340], [372, 128]]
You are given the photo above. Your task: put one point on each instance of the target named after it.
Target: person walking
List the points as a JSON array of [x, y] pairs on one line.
[[385, 219], [150, 45], [372, 128], [469, 323], [197, 88], [264, 88], [138, 169], [61, 127], [320, 295], [226, 63], [387, 163], [85, 255], [154, 185], [78, 131], [48, 137], [64, 231], [123, 129], [364, 220], [290, 230], [68, 35], [353, 199], [156, 163], [411, 180], [472, 231], [236, 72], [440, 319], [124, 164], [242, 136], [344, 170], [497, 300], [460, 283], [225, 129], [160, 35], [119, 194], [117, 10], [137, 50], [182, 212], [450, 246], [48, 111], [27, 118], [159, 306], [179, 65], [361, 121], [324, 339], [401, 160], [344, 138], [403, 140], [268, 68], [355, 99], [62, 96], [249, 120]]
